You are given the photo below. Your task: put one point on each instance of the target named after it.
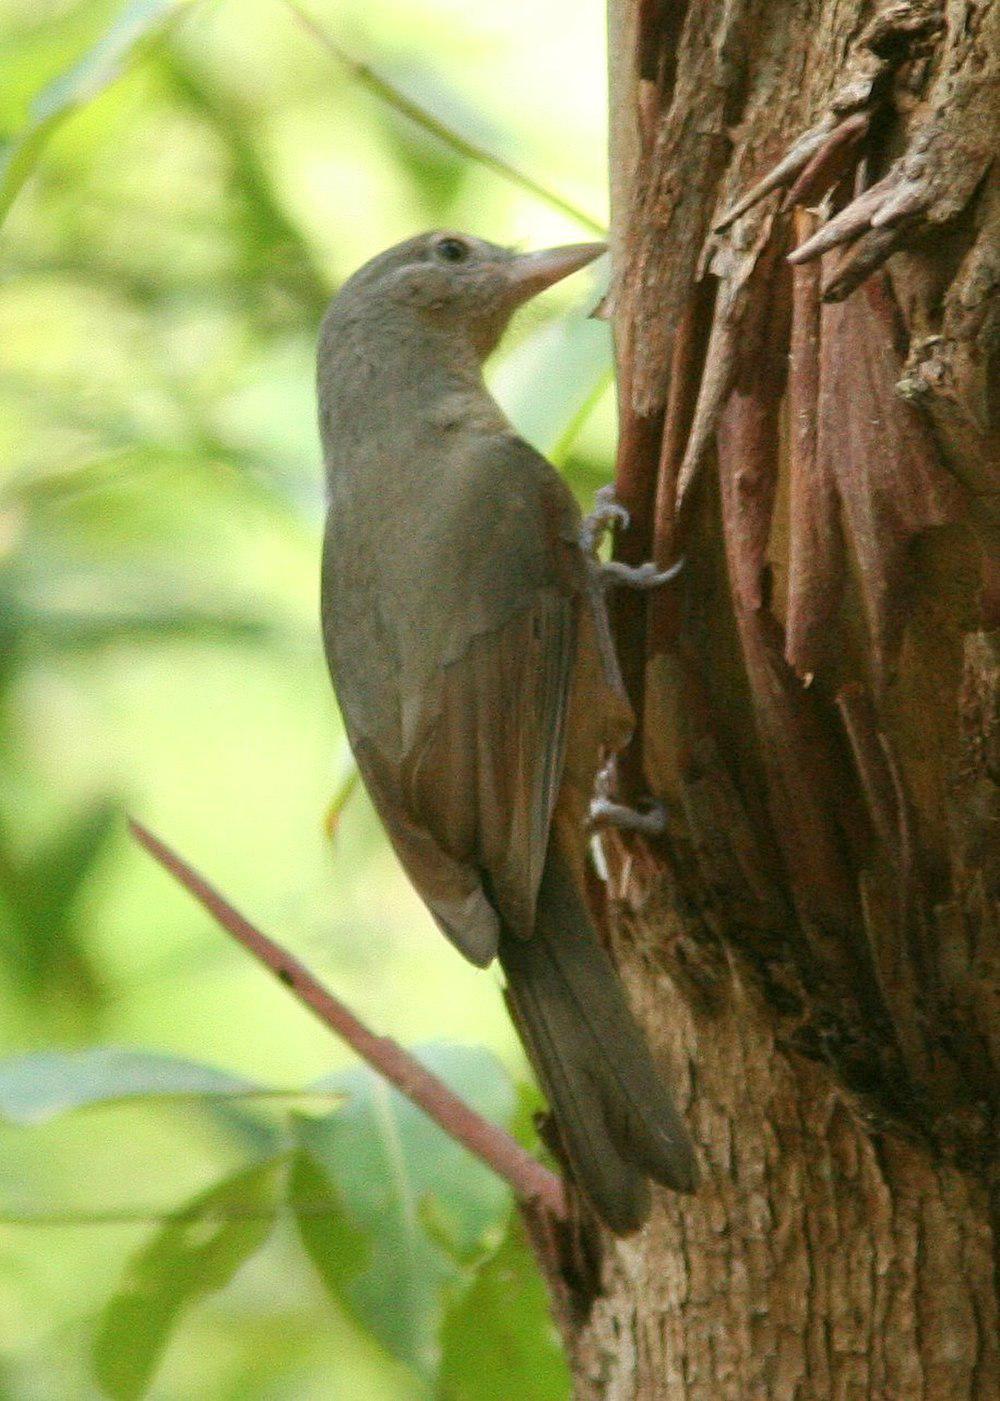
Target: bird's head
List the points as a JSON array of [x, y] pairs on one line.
[[459, 284]]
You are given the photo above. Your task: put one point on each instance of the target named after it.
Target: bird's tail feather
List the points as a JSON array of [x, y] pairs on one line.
[[616, 1121]]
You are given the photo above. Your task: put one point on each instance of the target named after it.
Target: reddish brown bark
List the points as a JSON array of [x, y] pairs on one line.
[[813, 946]]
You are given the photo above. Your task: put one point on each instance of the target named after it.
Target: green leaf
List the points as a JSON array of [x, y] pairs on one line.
[[65, 863], [60, 630], [412, 1208], [106, 61], [43, 891], [347, 783], [326, 1230], [196, 1254], [274, 247], [37, 1087], [498, 1339]]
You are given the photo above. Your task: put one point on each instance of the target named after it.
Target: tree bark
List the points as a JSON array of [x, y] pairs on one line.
[[813, 946]]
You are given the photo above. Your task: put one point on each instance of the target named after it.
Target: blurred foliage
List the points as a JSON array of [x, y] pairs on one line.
[[410, 1208], [34, 1088], [497, 1341], [196, 1253], [182, 187]]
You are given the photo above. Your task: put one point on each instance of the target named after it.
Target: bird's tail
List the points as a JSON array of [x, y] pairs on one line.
[[617, 1123]]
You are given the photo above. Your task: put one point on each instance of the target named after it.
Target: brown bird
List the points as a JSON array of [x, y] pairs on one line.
[[465, 630]]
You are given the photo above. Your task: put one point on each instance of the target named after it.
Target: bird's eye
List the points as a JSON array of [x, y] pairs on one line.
[[451, 250]]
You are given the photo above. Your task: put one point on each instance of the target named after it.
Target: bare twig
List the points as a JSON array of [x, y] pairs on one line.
[[397, 99], [529, 1180]]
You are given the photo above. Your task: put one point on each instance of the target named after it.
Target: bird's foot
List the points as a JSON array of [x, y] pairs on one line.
[[639, 576], [608, 514], [650, 820]]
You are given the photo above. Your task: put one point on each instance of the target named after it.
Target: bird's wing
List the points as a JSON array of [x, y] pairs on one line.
[[484, 774], [484, 618], [450, 886]]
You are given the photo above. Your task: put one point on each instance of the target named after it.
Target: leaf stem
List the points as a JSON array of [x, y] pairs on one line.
[[394, 97]]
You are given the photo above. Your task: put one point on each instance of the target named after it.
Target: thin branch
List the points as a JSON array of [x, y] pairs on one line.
[[390, 94], [529, 1180]]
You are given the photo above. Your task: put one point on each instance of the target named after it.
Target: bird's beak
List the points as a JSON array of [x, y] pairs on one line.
[[531, 273]]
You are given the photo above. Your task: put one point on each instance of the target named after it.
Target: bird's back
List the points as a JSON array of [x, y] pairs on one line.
[[429, 545]]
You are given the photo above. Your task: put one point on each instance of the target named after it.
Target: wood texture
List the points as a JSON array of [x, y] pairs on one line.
[[814, 945]]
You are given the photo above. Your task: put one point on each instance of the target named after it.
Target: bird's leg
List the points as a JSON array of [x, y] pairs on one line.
[[605, 810], [608, 514], [638, 576], [650, 820]]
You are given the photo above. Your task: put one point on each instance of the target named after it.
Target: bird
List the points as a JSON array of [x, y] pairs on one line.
[[465, 631]]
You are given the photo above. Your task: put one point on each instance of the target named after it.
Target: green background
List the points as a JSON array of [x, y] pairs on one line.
[[182, 205]]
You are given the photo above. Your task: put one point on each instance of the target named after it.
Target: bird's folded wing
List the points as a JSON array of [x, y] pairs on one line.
[[483, 773], [485, 605], [450, 887], [469, 808]]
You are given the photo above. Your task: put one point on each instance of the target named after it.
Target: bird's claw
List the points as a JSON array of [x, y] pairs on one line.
[[649, 820], [608, 514], [641, 576]]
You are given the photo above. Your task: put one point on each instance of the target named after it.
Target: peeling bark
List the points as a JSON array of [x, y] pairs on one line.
[[814, 943]]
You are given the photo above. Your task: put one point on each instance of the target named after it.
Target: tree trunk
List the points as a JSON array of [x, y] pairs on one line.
[[812, 946]]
